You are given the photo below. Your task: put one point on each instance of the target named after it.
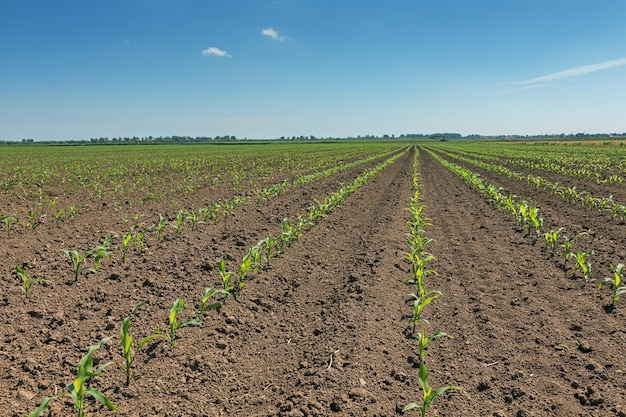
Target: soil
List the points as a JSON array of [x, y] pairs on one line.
[[323, 330]]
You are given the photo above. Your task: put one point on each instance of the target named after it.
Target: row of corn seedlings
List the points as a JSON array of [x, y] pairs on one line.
[[525, 213], [100, 176], [421, 297], [292, 230], [136, 235], [589, 163], [306, 179], [265, 249], [570, 194]]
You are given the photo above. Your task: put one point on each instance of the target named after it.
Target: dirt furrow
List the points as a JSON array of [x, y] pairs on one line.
[[333, 342], [528, 340]]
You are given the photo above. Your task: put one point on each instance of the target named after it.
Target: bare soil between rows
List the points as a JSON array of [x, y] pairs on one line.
[[323, 330]]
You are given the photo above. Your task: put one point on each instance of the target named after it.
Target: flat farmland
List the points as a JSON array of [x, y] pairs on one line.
[[305, 248]]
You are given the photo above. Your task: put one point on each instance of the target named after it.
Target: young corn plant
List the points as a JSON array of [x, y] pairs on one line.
[[604, 204], [420, 271], [160, 228], [9, 223], [74, 211], [140, 238], [101, 251], [534, 219], [244, 268], [616, 281], [582, 265], [170, 333], [429, 395], [78, 389], [194, 218], [28, 282], [59, 217], [419, 302], [34, 219], [567, 247], [269, 246], [250, 262], [205, 303], [178, 222], [77, 259], [227, 286], [127, 240], [126, 342], [423, 341], [552, 238]]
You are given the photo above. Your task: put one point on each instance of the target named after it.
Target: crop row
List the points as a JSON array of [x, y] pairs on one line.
[[421, 296], [137, 235], [602, 165], [570, 194], [57, 186], [232, 283], [527, 214]]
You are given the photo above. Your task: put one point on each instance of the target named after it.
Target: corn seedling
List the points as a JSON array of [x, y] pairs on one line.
[[269, 245], [604, 204], [127, 240], [101, 251], [78, 390], [567, 247], [76, 260], [34, 219], [59, 217], [419, 302], [194, 218], [509, 205], [160, 228], [618, 276], [28, 282], [126, 341], [244, 268], [423, 341], [9, 222], [552, 239], [205, 304], [178, 222], [582, 265], [170, 333], [74, 211], [429, 396], [226, 278], [140, 238], [534, 219]]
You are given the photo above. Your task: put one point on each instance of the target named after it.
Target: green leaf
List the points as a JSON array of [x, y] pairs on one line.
[[146, 339], [409, 407], [102, 399], [190, 322], [42, 407]]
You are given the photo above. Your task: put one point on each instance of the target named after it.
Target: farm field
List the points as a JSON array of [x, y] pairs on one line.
[[314, 320]]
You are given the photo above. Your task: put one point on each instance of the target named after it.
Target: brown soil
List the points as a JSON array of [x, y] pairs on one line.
[[323, 330]]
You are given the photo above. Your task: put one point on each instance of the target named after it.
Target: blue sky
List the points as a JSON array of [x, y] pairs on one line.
[[269, 68]]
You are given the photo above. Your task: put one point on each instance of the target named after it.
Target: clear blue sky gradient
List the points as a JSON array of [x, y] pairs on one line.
[[81, 69]]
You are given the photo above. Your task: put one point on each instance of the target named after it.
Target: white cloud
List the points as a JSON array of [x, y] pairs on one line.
[[573, 72], [213, 51], [271, 33]]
